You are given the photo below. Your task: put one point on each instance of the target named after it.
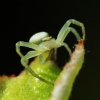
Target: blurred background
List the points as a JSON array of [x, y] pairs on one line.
[[20, 20]]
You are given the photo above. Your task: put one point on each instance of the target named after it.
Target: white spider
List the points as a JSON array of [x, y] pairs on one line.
[[41, 42]]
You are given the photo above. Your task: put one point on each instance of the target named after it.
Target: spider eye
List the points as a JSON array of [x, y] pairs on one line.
[[38, 37]]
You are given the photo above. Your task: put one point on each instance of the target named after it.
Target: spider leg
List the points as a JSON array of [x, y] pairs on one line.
[[43, 59], [68, 29], [55, 54], [73, 21], [26, 44], [25, 64], [64, 28], [67, 47]]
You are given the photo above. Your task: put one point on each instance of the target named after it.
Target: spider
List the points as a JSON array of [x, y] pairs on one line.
[[42, 42]]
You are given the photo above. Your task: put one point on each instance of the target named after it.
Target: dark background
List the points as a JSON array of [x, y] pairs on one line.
[[19, 21]]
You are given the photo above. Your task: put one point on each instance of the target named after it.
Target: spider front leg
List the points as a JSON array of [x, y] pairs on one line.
[[24, 59], [25, 44], [30, 55], [73, 21], [62, 33], [67, 47], [60, 40], [68, 29]]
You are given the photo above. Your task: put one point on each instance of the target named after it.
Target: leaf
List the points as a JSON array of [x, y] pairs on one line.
[[63, 85], [27, 87]]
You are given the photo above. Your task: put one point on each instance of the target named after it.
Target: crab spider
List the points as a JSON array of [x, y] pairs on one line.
[[41, 42]]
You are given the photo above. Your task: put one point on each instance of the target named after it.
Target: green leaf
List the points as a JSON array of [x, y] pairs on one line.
[[63, 85], [27, 87]]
